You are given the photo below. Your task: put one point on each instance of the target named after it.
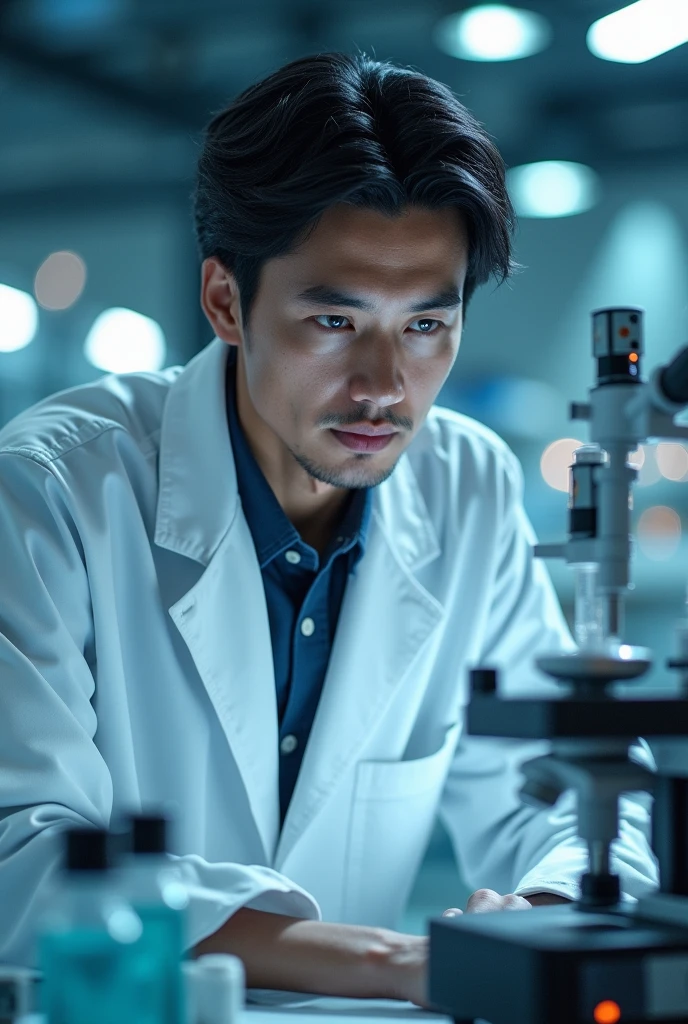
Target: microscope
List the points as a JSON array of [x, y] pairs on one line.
[[598, 960]]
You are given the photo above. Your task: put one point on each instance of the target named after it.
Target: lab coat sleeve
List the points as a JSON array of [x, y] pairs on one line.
[[52, 775], [499, 842]]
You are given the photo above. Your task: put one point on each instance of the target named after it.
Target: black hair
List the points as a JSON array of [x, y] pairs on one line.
[[335, 128]]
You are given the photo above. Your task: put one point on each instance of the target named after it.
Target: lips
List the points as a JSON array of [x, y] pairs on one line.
[[363, 442], [367, 431]]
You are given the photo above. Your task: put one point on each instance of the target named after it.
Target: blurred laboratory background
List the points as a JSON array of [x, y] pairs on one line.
[[101, 107]]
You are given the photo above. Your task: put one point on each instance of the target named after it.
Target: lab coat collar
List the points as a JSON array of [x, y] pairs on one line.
[[197, 494], [224, 622]]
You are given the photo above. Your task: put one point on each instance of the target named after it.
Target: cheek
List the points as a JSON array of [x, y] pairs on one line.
[[284, 391]]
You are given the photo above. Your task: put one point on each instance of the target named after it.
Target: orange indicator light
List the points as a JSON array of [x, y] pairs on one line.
[[607, 1012], [633, 356]]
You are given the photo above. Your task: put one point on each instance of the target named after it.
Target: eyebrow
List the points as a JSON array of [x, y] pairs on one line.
[[322, 295]]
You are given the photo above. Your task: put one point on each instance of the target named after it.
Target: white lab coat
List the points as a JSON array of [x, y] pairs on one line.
[[136, 666]]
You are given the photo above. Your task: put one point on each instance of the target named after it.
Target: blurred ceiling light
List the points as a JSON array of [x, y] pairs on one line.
[[18, 319], [123, 341], [493, 32], [555, 462], [60, 280], [552, 188], [672, 460], [639, 32], [659, 532]]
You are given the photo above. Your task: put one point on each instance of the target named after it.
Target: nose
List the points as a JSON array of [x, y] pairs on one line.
[[377, 378]]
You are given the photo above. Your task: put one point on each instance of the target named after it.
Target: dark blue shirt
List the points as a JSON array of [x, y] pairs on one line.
[[303, 592]]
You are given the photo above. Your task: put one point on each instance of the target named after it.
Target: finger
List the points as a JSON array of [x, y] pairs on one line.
[[452, 912], [511, 902], [483, 901]]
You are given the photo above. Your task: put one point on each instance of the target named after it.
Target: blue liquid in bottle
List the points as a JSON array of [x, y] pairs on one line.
[[89, 948], [151, 883]]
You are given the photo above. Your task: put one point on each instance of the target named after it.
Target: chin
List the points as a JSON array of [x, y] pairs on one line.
[[362, 471]]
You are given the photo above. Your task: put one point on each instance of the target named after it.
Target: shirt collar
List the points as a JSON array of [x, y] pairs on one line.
[[272, 532]]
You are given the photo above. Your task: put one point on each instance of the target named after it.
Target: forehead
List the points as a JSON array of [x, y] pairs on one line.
[[373, 248]]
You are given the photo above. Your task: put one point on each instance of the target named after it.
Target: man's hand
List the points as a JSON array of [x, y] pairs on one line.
[[406, 956], [484, 901], [413, 959]]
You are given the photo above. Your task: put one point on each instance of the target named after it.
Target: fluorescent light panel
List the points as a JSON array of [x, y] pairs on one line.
[[639, 32]]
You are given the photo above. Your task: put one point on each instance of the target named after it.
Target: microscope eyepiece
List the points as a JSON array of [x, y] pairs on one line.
[[617, 344]]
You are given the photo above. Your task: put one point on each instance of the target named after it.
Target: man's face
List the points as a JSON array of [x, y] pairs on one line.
[[359, 325]]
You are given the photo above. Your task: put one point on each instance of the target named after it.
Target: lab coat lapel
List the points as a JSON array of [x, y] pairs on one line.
[[386, 621], [224, 622], [223, 618]]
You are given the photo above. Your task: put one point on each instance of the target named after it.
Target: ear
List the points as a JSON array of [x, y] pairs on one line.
[[220, 301]]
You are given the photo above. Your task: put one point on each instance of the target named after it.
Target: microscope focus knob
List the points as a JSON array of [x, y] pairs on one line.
[[599, 891], [483, 681]]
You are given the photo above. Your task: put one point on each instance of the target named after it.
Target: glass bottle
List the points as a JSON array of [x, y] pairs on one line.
[[89, 942], [149, 880]]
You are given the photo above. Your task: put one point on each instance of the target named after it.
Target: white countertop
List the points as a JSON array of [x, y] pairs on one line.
[[322, 1011], [331, 1011], [315, 1010]]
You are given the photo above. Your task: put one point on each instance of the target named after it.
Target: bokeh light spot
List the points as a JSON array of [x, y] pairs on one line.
[[672, 460], [493, 32], [60, 280], [552, 188], [18, 319], [659, 532], [637, 458], [124, 341], [556, 460]]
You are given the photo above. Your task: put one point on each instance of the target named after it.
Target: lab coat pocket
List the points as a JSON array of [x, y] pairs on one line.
[[393, 812]]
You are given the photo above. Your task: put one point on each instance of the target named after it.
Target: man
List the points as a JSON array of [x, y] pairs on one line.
[[252, 588]]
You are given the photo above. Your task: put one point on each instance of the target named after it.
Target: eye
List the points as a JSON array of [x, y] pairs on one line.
[[335, 324], [426, 326]]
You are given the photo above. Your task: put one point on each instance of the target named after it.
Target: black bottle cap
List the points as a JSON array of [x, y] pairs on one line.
[[148, 833], [88, 849]]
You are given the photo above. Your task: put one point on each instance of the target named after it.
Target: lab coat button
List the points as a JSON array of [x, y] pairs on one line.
[[308, 627], [293, 556], [289, 744]]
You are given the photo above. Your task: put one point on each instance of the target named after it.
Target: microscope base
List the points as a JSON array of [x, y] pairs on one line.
[[558, 964]]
